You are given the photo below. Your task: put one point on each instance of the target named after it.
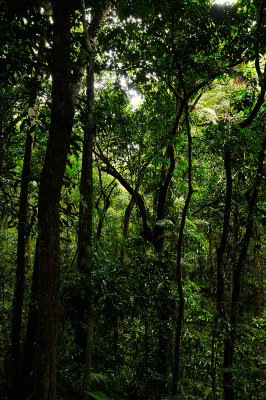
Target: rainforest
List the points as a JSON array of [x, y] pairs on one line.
[[132, 214]]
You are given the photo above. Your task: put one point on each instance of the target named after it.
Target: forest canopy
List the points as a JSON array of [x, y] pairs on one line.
[[132, 141]]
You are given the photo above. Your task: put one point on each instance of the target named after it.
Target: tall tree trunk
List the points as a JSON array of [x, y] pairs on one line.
[[222, 247], [20, 270], [178, 275], [146, 352], [23, 234], [257, 273], [158, 232], [25, 371], [163, 313], [43, 385], [229, 343], [84, 256], [163, 309], [128, 212], [30, 337], [211, 250], [106, 204]]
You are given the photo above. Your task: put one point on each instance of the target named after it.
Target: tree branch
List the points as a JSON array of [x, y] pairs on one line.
[[259, 102], [111, 170]]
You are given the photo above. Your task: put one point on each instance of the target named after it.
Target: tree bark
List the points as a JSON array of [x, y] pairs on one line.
[[128, 212], [30, 336], [257, 273], [23, 234], [20, 270], [158, 231], [211, 251], [43, 385], [106, 204], [178, 275], [84, 256], [222, 247], [229, 343]]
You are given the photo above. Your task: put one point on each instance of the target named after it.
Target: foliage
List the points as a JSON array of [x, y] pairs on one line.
[[169, 53]]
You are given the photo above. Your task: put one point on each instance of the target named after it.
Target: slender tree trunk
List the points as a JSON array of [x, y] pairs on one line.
[[23, 236], [28, 264], [158, 240], [257, 273], [229, 343], [128, 212], [211, 251], [222, 247], [178, 274], [85, 233], [163, 313], [43, 385], [20, 270], [84, 257], [89, 337], [146, 350], [214, 358], [30, 337], [106, 205], [158, 234], [224, 239]]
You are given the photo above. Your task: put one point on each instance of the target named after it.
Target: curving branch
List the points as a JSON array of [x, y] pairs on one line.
[[261, 75], [111, 170], [259, 102], [257, 41]]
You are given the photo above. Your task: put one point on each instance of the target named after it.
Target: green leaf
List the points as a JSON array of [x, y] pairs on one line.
[[99, 396], [165, 223]]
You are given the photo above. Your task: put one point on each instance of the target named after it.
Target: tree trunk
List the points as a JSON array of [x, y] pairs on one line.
[[86, 184], [84, 256], [178, 275], [30, 336], [257, 273], [146, 352], [222, 247], [20, 270], [211, 250], [44, 364], [229, 343], [23, 235], [106, 204], [158, 232], [128, 212]]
